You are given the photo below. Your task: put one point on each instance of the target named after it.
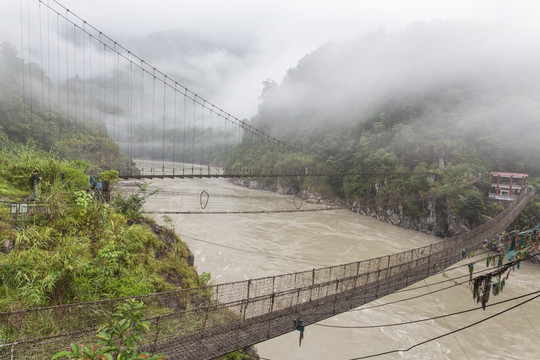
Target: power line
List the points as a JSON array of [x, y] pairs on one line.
[[295, 259], [401, 300], [425, 319], [445, 334], [406, 299], [281, 257], [236, 212], [416, 296], [424, 294], [446, 320], [527, 318], [434, 318], [353, 310]]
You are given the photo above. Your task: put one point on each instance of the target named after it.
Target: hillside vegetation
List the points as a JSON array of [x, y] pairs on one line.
[[72, 246], [455, 99], [82, 248], [50, 119], [77, 247]]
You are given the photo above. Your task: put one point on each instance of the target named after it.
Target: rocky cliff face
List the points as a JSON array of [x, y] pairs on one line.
[[430, 223], [435, 219]]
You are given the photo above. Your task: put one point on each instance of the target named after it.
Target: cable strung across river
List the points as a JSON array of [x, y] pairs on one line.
[[238, 212]]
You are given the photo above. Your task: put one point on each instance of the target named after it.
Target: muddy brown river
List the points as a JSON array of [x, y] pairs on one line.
[[230, 240]]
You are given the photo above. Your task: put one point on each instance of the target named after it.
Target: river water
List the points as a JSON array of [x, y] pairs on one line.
[[234, 245]]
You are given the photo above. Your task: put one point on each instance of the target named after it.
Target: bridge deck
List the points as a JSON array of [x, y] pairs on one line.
[[248, 312], [216, 175]]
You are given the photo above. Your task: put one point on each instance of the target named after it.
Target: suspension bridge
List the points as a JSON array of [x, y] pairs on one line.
[[76, 77], [235, 315], [79, 80]]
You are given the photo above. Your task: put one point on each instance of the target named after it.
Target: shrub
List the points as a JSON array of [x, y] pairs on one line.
[[132, 205], [118, 339], [470, 205]]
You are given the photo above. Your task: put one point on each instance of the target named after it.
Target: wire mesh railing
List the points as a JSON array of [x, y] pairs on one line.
[[208, 322]]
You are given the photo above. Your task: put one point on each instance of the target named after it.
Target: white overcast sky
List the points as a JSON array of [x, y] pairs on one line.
[[280, 32]]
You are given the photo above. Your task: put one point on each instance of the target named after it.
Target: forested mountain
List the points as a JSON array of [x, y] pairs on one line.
[[36, 109], [456, 98], [422, 93]]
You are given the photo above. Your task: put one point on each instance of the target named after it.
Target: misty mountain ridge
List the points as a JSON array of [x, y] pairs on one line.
[[469, 84], [195, 61]]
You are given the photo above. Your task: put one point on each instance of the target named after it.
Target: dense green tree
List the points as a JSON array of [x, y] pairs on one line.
[[471, 205]]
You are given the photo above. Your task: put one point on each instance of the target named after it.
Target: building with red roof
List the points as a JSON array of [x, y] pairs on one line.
[[506, 185]]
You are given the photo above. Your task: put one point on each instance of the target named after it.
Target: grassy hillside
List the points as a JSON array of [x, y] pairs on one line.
[[82, 249]]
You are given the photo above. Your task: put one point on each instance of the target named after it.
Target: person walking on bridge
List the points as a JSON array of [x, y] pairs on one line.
[[35, 179]]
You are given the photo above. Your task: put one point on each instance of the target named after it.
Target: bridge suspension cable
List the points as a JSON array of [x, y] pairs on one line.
[[100, 84], [103, 87]]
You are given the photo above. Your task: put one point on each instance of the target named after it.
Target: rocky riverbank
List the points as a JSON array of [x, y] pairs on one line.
[[435, 219]]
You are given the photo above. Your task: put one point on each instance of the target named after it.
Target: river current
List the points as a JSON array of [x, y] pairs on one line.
[[237, 245]]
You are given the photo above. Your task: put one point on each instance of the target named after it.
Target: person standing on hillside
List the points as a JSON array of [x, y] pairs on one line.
[[35, 179]]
